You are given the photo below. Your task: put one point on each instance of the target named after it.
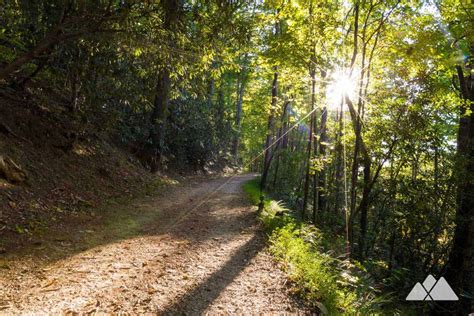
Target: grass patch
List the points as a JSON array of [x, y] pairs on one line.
[[252, 188], [331, 285], [124, 219]]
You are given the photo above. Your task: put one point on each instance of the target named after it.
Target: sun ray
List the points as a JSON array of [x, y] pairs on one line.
[[341, 83]]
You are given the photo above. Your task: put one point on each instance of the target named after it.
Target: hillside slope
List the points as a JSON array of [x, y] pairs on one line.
[[60, 171]]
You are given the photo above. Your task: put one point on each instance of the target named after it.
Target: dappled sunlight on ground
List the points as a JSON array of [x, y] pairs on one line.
[[159, 255]]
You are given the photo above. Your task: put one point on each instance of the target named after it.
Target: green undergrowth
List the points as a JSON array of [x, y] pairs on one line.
[[333, 286]]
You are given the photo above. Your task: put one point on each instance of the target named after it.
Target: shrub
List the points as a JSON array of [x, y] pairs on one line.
[[331, 285]]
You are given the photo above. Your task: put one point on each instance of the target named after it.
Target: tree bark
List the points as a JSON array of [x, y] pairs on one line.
[[210, 93], [278, 146], [238, 114], [364, 208], [460, 266], [322, 153], [310, 144], [172, 12], [339, 165], [316, 178], [158, 119], [220, 114], [268, 141], [355, 158]]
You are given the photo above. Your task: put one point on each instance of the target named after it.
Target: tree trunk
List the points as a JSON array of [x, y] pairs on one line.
[[339, 172], [364, 209], [268, 141], [220, 111], [460, 266], [279, 143], [391, 251], [354, 176], [75, 87], [158, 119], [238, 114], [310, 144], [210, 93], [368, 181], [322, 154], [172, 14], [316, 174]]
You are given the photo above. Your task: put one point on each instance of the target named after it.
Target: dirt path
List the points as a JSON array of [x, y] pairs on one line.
[[210, 260]]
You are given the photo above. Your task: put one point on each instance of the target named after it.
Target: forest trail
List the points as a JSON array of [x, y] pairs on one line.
[[176, 259]]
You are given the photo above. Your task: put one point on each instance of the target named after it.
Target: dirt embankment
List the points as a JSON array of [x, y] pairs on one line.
[[54, 174]]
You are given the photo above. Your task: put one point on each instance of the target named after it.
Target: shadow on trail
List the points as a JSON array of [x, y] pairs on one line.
[[222, 219], [200, 297], [150, 216]]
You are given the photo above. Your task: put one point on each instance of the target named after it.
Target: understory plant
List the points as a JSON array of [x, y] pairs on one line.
[[326, 283]]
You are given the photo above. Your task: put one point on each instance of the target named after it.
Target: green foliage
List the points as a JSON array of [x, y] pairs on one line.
[[324, 282], [127, 70], [102, 62], [253, 190], [408, 105]]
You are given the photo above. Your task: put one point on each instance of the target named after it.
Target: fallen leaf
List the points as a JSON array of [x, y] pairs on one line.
[[49, 283]]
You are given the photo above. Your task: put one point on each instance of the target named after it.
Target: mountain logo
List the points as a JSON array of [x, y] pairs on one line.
[[432, 290]]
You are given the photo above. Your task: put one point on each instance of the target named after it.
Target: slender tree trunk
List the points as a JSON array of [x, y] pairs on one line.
[[436, 171], [391, 251], [354, 177], [74, 92], [310, 144], [364, 203], [360, 146], [368, 180], [322, 154], [338, 199], [279, 143], [210, 93], [286, 136], [316, 174], [220, 110], [364, 208], [75, 80], [275, 175], [301, 142], [241, 81], [355, 158], [268, 141], [270, 128]]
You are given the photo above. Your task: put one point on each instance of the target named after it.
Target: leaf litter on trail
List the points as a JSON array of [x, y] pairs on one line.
[[49, 283], [164, 270]]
